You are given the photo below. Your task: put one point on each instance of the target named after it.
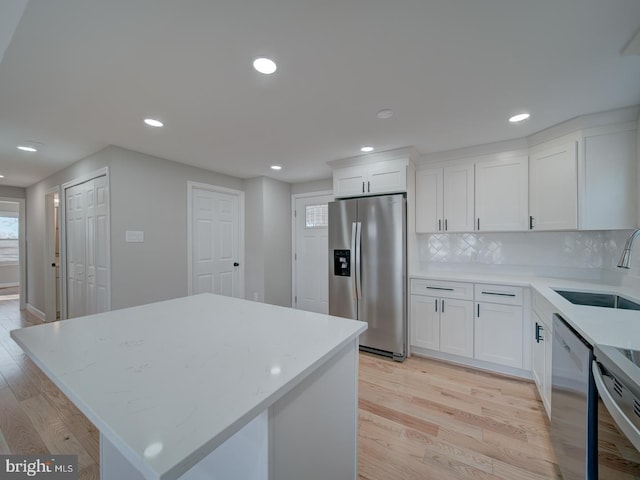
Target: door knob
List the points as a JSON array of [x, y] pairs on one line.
[[236, 264]]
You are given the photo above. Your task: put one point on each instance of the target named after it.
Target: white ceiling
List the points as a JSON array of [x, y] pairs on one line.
[[82, 74]]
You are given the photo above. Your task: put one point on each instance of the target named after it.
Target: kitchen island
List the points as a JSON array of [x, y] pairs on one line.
[[210, 387]]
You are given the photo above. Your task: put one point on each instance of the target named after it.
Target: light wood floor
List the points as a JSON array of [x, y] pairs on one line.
[[418, 420]]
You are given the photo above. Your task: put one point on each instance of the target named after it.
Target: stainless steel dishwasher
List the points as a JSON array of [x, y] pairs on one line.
[[573, 404]]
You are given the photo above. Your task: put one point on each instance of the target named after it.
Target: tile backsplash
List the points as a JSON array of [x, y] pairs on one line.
[[586, 254]]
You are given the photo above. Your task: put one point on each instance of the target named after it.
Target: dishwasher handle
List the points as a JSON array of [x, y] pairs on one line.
[[621, 419]]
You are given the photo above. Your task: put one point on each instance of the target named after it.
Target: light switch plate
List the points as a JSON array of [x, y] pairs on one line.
[[134, 236]]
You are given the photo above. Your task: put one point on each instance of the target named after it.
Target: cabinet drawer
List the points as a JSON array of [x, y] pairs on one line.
[[504, 294], [439, 288]]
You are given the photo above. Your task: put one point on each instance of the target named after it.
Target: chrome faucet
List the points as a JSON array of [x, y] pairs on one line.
[[625, 258]]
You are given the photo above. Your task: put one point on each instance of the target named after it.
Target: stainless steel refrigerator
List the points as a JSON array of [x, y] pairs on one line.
[[367, 269]]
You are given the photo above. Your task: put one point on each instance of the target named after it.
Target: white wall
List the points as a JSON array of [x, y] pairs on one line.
[[12, 192], [147, 193], [254, 241], [325, 185], [268, 241], [277, 242]]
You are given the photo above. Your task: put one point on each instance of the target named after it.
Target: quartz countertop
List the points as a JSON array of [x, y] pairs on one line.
[[168, 382], [598, 325]]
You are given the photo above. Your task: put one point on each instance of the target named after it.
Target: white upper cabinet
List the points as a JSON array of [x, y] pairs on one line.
[[553, 186], [458, 198], [371, 179], [502, 194], [429, 198], [444, 199], [608, 178]]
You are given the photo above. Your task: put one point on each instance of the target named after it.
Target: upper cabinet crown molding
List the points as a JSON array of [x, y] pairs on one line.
[[410, 153]]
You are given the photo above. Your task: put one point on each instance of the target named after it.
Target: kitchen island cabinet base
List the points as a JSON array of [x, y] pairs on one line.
[[309, 433]]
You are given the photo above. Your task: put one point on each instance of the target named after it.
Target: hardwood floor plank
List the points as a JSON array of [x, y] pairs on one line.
[[54, 433], [420, 419], [16, 427]]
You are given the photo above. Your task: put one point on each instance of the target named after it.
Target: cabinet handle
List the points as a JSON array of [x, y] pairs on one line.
[[442, 305], [499, 294], [478, 223], [440, 288], [478, 310], [362, 187], [436, 304], [530, 222], [439, 225], [368, 186], [445, 224], [538, 329]]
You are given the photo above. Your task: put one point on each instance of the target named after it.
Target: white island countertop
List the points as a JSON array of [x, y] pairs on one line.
[[597, 325], [169, 382]]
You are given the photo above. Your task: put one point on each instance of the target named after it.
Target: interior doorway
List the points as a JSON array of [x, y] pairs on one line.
[[12, 250], [52, 290]]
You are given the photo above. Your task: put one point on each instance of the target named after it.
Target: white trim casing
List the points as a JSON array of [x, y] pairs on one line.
[[49, 229], [229, 191]]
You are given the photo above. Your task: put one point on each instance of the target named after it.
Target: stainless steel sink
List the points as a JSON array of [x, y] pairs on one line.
[[607, 300]]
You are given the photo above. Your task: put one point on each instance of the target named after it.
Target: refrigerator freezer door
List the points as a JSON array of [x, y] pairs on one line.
[[383, 273], [342, 293]]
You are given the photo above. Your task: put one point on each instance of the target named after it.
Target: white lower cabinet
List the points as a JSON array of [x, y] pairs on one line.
[[446, 323], [425, 322], [498, 334], [456, 327], [541, 349]]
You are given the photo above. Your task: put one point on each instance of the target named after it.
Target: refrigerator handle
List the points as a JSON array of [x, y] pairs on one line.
[[358, 259], [353, 266]]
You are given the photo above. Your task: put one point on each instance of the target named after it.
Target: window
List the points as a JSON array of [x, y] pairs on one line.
[[8, 237], [316, 216]]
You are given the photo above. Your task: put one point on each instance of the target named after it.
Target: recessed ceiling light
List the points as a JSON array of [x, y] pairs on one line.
[[27, 148], [520, 117], [265, 65], [276, 167], [385, 113], [366, 149], [1, 176], [152, 122]]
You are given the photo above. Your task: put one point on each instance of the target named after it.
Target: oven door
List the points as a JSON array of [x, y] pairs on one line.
[[618, 436]]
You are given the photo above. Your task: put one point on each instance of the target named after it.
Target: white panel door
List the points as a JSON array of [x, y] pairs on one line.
[[311, 253], [215, 246], [458, 198], [87, 247], [429, 196], [76, 251]]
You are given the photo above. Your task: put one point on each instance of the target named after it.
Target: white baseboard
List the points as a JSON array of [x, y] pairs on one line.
[[37, 313]]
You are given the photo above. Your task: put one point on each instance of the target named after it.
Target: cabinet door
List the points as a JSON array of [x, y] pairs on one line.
[[425, 322], [553, 187], [548, 349], [458, 198], [537, 353], [456, 327], [498, 334], [429, 211], [387, 177], [349, 181], [502, 195]]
